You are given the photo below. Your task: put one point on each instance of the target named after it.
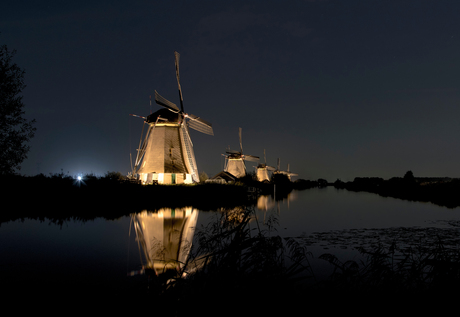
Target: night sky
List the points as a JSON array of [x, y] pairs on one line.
[[337, 89]]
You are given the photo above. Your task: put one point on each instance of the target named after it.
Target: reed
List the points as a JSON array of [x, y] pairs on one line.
[[398, 271], [236, 258]]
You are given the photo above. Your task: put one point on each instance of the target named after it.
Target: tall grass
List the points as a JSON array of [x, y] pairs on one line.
[[398, 270]]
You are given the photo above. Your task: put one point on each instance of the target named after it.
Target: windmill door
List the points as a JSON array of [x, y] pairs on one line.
[[173, 178]]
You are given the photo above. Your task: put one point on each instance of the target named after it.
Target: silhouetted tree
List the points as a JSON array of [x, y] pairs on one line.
[[15, 130], [280, 179], [409, 177], [203, 177], [249, 179], [114, 176]]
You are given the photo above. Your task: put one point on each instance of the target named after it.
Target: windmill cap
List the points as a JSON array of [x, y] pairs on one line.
[[164, 114]]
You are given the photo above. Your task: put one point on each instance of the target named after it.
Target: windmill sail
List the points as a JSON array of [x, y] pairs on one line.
[[166, 155], [165, 102], [177, 56], [198, 124]]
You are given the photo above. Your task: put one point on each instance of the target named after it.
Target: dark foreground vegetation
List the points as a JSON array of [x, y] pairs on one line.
[[439, 191], [246, 269]]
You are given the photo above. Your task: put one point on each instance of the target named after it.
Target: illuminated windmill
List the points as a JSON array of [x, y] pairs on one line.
[[166, 156], [235, 161], [263, 169], [287, 173]]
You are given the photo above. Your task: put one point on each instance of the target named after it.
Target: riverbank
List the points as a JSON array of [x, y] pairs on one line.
[[60, 196], [440, 191]]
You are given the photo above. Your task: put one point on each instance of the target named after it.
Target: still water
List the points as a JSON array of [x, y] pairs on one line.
[[103, 251]]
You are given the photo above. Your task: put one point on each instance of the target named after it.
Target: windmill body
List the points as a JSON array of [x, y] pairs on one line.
[[235, 166], [263, 171], [165, 155], [168, 156]]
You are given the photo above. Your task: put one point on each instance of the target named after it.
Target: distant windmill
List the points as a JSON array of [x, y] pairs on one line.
[[287, 173], [278, 171], [263, 169], [235, 160], [166, 154]]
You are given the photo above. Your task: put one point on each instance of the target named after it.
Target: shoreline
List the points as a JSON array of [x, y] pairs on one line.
[[442, 192], [62, 197]]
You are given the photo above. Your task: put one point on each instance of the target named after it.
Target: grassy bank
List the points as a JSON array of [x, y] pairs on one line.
[[60, 196], [440, 192]]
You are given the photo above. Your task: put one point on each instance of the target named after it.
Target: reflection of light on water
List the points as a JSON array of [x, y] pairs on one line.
[[267, 202], [165, 237]]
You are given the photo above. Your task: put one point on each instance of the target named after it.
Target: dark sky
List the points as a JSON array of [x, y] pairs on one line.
[[337, 89]]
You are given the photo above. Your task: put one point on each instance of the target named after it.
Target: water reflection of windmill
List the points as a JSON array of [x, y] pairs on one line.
[[263, 169], [165, 238], [265, 202], [235, 160], [268, 202], [166, 154]]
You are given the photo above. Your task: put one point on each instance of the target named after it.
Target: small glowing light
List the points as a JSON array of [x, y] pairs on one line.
[[79, 178]]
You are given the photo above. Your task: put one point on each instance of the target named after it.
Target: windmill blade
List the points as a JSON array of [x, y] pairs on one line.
[[201, 120], [271, 168], [251, 158], [165, 103], [135, 115], [200, 125], [241, 143], [177, 56]]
